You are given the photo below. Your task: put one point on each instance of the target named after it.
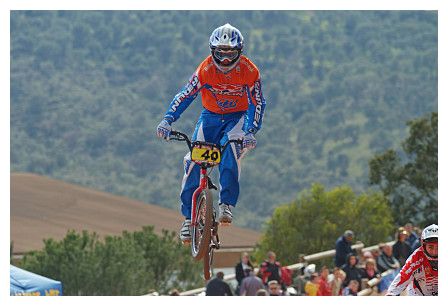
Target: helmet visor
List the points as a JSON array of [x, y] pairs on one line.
[[226, 56]]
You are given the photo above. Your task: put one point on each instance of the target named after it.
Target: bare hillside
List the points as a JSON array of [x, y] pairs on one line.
[[42, 208]]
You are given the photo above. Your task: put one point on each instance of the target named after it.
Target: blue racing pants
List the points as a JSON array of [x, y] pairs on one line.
[[215, 128]]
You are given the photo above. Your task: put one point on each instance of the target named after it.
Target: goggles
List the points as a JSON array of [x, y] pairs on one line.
[[226, 54]]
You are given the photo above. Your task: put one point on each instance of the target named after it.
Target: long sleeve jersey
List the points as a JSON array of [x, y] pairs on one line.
[[222, 93], [417, 275]]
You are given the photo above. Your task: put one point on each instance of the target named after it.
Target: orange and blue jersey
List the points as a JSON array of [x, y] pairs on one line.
[[239, 90]]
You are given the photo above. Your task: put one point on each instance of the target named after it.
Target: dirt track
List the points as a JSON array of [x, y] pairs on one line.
[[42, 208]]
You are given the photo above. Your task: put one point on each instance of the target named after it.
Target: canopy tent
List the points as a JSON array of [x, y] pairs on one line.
[[23, 282]]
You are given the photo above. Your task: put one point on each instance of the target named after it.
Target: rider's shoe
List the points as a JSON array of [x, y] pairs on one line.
[[185, 232], [225, 215]]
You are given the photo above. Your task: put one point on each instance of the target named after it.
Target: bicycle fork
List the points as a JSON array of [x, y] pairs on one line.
[[202, 185]]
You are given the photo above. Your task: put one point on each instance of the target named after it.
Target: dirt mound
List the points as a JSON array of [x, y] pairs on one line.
[[42, 208]]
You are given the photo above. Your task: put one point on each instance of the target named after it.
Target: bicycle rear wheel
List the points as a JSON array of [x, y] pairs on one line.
[[202, 226]]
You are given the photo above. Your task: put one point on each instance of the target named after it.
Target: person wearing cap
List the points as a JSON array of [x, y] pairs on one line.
[[343, 248], [401, 248], [419, 275], [412, 235]]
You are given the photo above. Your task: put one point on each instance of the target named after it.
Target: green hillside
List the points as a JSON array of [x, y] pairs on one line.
[[89, 88]]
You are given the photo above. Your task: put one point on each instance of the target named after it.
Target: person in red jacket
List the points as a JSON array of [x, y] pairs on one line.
[[270, 269], [324, 285]]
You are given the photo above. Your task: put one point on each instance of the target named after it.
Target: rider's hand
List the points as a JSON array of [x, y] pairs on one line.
[[249, 141], [164, 129]]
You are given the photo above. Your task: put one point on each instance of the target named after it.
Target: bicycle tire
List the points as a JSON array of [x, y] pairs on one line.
[[208, 259], [201, 240]]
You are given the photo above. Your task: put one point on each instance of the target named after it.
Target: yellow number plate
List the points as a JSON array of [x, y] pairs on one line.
[[206, 154]]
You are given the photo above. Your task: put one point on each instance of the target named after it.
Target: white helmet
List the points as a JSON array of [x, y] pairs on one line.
[[226, 45], [430, 234]]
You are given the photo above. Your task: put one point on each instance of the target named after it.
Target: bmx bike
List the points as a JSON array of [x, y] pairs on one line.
[[204, 224]]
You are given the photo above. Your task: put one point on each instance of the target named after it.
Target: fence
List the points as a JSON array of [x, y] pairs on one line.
[[310, 258]]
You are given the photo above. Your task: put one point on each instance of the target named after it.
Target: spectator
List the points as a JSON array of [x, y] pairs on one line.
[[274, 288], [304, 263], [251, 283], [375, 253], [412, 235], [240, 269], [365, 255], [312, 286], [324, 285], [417, 243], [370, 271], [270, 269], [401, 249], [299, 280], [352, 288], [286, 277], [217, 286], [343, 248], [337, 279], [299, 284], [352, 272], [386, 260], [262, 292]]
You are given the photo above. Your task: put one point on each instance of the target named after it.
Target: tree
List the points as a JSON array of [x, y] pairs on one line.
[[130, 264], [314, 221], [410, 183]]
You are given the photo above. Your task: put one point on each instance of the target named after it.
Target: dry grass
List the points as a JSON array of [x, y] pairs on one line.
[[42, 208]]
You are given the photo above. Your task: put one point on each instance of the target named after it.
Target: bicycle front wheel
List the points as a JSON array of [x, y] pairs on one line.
[[202, 226]]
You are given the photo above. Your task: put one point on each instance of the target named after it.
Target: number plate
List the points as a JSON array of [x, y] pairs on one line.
[[206, 154]]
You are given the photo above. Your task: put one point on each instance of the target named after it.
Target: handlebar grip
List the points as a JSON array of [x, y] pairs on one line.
[[238, 141], [180, 137]]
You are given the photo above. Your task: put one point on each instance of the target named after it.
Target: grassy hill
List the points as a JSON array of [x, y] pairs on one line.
[[88, 89]]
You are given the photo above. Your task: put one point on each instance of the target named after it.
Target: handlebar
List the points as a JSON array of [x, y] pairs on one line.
[[179, 136]]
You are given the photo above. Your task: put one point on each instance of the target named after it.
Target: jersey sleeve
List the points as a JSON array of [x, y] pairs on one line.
[[257, 104], [184, 98], [402, 280]]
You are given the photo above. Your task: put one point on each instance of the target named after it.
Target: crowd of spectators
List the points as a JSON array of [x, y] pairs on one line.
[[350, 274]]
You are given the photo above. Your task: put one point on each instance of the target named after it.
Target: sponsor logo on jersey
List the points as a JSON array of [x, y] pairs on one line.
[[192, 85], [227, 89], [413, 265], [258, 100], [226, 104]]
